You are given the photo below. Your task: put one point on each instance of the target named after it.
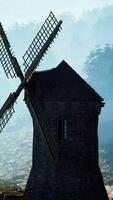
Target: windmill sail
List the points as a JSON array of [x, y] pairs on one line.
[[6, 117], [6, 111], [40, 44], [32, 58], [6, 54]]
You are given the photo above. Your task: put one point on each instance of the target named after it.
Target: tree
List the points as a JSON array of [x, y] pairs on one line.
[[106, 167], [99, 68]]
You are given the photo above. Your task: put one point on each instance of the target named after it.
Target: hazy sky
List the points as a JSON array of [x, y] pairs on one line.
[[25, 11]]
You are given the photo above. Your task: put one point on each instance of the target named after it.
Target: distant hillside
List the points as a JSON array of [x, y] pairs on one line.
[[106, 133], [15, 157], [16, 151], [106, 151]]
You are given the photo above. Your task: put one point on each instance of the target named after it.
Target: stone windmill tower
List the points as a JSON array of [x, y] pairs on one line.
[[70, 109]]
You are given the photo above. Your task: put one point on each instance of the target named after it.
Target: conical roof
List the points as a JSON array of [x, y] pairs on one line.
[[62, 84]]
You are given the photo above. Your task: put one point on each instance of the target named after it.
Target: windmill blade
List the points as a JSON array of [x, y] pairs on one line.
[[6, 117], [39, 119], [7, 58], [7, 111], [40, 44], [32, 58]]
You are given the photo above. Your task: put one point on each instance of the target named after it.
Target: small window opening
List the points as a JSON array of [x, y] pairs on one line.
[[62, 129]]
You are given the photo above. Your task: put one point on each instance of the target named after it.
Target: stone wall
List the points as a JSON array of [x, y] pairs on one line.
[[75, 173]]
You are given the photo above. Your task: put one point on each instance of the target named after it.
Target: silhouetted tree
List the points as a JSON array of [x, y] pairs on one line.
[[99, 67]]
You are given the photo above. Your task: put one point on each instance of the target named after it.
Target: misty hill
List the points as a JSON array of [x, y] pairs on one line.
[[106, 133], [106, 150], [16, 152]]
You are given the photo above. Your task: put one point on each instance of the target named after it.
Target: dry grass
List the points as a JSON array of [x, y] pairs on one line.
[[11, 192]]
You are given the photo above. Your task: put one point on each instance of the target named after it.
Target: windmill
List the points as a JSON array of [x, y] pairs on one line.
[[31, 60]]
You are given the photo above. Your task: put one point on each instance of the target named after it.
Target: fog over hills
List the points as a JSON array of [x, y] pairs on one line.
[[16, 153]]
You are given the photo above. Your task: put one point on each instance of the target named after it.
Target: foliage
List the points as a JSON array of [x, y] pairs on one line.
[[106, 168], [99, 67]]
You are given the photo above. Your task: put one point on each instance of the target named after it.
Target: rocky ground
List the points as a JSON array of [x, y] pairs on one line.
[[9, 194], [14, 194]]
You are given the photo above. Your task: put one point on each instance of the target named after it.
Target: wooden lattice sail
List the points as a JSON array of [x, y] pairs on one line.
[[31, 58]]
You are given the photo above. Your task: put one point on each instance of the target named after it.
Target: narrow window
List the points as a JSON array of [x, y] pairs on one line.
[[65, 129], [62, 129]]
